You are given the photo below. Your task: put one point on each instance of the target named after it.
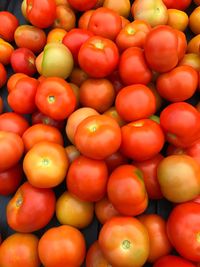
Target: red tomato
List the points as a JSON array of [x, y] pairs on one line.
[[84, 19], [39, 117], [133, 68], [182, 43], [124, 242], [13, 122], [55, 98], [173, 261], [142, 140], [12, 148], [98, 137], [74, 40], [98, 57], [135, 102], [115, 160], [181, 124], [8, 23], [161, 49], [149, 171], [87, 178], [105, 22], [181, 5], [126, 190], [27, 210], [3, 75], [6, 50], [10, 180], [82, 5], [179, 84], [35, 10], [13, 79], [95, 257], [185, 218]]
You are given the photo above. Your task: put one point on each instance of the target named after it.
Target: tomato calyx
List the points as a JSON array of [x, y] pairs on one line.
[[99, 45], [139, 174], [19, 201], [130, 31], [126, 244], [45, 162], [51, 99], [171, 135], [92, 128]]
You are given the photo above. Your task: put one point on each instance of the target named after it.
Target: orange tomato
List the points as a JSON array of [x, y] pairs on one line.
[[194, 21], [6, 50], [78, 76], [177, 19], [95, 257], [72, 153], [112, 112], [13, 79], [194, 44], [192, 60], [56, 35], [122, 7], [84, 19], [65, 18]]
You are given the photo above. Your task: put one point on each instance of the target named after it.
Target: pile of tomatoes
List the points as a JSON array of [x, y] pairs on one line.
[[99, 117]]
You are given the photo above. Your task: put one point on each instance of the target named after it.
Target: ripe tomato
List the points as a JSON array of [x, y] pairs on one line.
[[72, 153], [3, 75], [19, 250], [73, 247], [191, 59], [124, 242], [72, 211], [8, 23], [142, 139], [45, 164], [179, 84], [185, 217], [56, 35], [149, 171], [10, 180], [194, 20], [12, 148], [112, 112], [173, 261], [26, 211], [6, 51], [13, 79], [55, 98], [98, 137], [182, 44], [13, 122], [181, 124], [115, 160], [177, 19], [84, 19], [181, 5], [98, 57], [65, 18], [95, 257], [87, 178], [38, 118], [78, 76], [35, 10], [121, 7], [193, 44], [82, 5]]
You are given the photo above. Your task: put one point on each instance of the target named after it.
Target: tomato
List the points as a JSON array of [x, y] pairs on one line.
[[22, 98], [185, 217], [159, 99], [36, 9], [6, 51], [8, 23], [13, 122], [26, 211], [38, 118], [105, 22], [72, 211], [12, 148], [78, 76], [181, 5], [17, 244], [30, 37], [159, 242], [74, 40], [104, 210], [149, 172], [193, 44], [98, 94], [98, 137], [181, 124], [133, 34], [98, 57], [112, 112], [191, 59], [194, 21], [95, 257], [115, 160], [3, 75], [13, 79], [82, 5], [10, 180], [55, 98], [142, 139], [140, 74], [124, 242], [121, 7], [41, 132], [179, 84], [45, 164], [65, 18], [182, 43], [173, 261], [56, 35], [87, 178], [177, 19], [84, 19], [161, 49], [72, 153], [1, 105], [73, 247]]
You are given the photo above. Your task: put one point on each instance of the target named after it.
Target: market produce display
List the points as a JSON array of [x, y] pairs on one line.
[[99, 133]]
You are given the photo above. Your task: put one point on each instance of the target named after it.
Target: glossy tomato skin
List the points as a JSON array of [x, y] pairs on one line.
[[17, 244], [84, 19], [127, 178], [173, 261], [10, 180], [116, 239], [87, 178], [98, 137], [95, 257], [55, 98], [82, 5], [181, 5], [179, 84], [142, 139], [38, 117], [13, 79], [98, 57], [185, 218], [161, 49], [3, 75], [6, 50], [149, 171], [73, 247], [12, 147], [25, 215], [36, 9], [140, 73], [181, 124], [8, 23]]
